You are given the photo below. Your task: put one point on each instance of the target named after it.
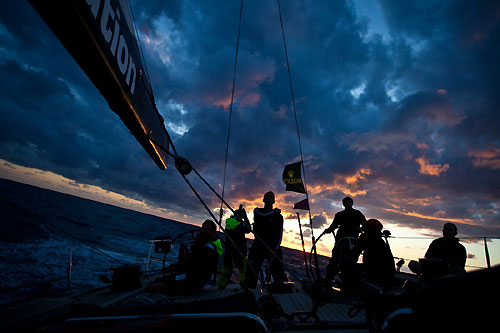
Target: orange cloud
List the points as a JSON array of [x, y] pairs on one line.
[[430, 169], [486, 158], [349, 185], [222, 101], [436, 216], [418, 201], [422, 146], [250, 99], [361, 174]]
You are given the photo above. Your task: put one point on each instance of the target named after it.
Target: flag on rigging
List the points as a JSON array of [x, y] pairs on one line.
[[293, 179], [303, 204]]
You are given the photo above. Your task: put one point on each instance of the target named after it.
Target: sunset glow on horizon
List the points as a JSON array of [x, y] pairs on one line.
[[400, 241]]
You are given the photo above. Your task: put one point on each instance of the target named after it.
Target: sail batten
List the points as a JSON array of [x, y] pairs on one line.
[[99, 35]]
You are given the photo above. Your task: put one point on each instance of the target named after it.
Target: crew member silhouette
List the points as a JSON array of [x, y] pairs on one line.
[[192, 273], [344, 257], [448, 249], [378, 262], [236, 247], [268, 230]]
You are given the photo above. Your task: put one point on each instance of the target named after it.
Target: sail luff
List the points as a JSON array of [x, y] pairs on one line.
[[99, 36]]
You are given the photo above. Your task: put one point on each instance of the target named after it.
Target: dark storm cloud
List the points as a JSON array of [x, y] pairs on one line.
[[405, 121], [54, 119], [443, 118]]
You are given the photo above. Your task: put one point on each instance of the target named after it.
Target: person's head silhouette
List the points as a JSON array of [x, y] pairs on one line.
[[347, 202], [449, 230], [269, 198]]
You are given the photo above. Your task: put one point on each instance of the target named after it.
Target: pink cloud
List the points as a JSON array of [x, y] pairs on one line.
[[223, 101], [282, 113], [486, 158], [422, 146], [430, 169], [250, 99]]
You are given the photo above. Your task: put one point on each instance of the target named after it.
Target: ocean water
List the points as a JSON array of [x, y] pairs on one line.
[[39, 229]]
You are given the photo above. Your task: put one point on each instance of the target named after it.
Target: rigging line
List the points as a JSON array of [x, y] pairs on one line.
[[199, 198], [298, 131], [293, 97], [422, 237], [214, 191], [415, 259], [95, 249], [245, 259], [231, 108], [87, 244], [170, 142], [257, 237], [197, 173]]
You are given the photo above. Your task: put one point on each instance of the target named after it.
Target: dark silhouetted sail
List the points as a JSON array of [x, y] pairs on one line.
[[99, 34]]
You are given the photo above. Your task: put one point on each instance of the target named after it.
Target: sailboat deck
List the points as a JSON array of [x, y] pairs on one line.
[[336, 311], [296, 304]]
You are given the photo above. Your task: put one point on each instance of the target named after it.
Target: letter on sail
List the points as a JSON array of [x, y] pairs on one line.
[[99, 34]]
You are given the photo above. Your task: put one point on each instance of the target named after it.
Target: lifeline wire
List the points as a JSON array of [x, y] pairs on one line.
[[45, 220]]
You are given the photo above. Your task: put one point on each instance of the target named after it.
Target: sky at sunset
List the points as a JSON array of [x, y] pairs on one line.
[[397, 103]]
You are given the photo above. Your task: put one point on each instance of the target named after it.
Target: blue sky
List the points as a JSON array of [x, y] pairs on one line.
[[397, 104]]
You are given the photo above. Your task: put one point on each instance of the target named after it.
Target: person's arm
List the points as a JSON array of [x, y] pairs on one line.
[[281, 228], [463, 256], [246, 222], [275, 231], [362, 218], [255, 225], [332, 226], [430, 251]]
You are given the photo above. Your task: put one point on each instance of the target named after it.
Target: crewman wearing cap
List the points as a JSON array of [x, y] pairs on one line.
[[343, 260], [378, 262]]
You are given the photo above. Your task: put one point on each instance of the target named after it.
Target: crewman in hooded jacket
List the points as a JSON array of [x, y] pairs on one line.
[[268, 230], [235, 247], [200, 263], [378, 261]]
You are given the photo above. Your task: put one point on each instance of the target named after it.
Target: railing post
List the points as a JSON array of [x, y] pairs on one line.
[[487, 253], [303, 248], [149, 256], [70, 264]]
